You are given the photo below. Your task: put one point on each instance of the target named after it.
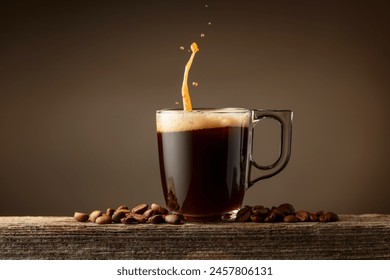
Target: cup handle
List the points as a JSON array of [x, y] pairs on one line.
[[284, 118]]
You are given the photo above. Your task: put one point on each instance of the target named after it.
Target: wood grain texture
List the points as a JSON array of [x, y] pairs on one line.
[[353, 237]]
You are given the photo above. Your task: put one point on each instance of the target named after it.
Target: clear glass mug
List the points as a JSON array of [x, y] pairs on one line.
[[206, 159]]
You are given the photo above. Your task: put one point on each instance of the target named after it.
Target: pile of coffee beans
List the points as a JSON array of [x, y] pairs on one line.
[[283, 213], [155, 214]]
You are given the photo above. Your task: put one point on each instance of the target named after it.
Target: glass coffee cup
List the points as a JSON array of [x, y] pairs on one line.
[[205, 158]]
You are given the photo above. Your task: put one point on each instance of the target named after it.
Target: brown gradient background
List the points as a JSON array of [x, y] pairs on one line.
[[81, 80]]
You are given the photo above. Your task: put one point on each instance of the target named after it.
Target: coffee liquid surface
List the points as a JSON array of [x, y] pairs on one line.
[[179, 120]]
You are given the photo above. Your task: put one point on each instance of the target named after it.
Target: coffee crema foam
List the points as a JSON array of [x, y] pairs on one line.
[[180, 120]]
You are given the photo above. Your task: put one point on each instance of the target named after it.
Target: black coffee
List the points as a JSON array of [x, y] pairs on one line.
[[203, 170]]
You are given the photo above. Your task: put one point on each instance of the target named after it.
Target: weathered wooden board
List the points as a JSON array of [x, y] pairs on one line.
[[353, 237]]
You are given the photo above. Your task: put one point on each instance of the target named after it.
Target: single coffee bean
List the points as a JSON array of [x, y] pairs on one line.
[[328, 217], [257, 218], [256, 207], [261, 211], [271, 218], [81, 217], [279, 214], [291, 219], [148, 213], [158, 209], [140, 209], [303, 215], [122, 207], [243, 214], [332, 216], [156, 219], [94, 215], [322, 219], [181, 216], [313, 217], [110, 211], [287, 208], [118, 215], [128, 220], [103, 219], [138, 217], [172, 219]]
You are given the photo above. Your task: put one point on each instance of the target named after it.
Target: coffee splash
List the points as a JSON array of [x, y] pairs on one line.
[[187, 105], [185, 93]]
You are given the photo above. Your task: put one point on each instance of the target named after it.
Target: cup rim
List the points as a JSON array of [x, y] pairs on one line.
[[204, 110]]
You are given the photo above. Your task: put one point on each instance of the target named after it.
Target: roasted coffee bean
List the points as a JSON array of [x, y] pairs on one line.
[[122, 207], [318, 213], [271, 218], [313, 217], [328, 217], [110, 211], [138, 217], [290, 219], [260, 210], [140, 209], [243, 214], [118, 215], [172, 219], [322, 219], [81, 217], [256, 207], [148, 213], [156, 219], [303, 215], [279, 214], [257, 218], [94, 215], [103, 219], [287, 208], [332, 216], [128, 220], [158, 209], [181, 216]]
